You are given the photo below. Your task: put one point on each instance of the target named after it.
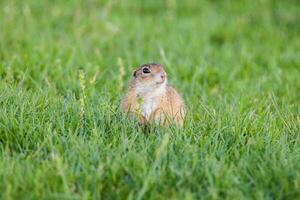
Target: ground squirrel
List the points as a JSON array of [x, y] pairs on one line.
[[151, 99]]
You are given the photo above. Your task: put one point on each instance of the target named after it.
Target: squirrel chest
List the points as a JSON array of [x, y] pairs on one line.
[[148, 106], [150, 101]]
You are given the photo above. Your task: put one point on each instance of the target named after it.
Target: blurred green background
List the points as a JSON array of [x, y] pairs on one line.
[[64, 65]]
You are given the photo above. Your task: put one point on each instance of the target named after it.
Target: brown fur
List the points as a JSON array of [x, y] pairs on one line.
[[169, 104]]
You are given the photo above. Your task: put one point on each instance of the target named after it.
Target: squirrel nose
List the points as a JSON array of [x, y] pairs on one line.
[[163, 76]]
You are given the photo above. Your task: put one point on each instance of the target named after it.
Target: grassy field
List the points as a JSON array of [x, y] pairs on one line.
[[64, 66]]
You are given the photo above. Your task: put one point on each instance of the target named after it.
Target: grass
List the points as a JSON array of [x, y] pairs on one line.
[[64, 65]]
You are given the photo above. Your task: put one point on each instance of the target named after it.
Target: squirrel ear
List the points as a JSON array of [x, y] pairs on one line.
[[134, 73]]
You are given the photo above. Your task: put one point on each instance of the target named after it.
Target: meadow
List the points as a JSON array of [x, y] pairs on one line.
[[64, 66]]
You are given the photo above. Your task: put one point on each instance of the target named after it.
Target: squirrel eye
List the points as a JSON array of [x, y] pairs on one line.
[[146, 70]]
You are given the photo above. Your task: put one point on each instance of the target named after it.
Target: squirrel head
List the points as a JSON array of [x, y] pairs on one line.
[[150, 75]]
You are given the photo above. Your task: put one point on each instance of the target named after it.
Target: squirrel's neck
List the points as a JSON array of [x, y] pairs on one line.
[[145, 91]]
